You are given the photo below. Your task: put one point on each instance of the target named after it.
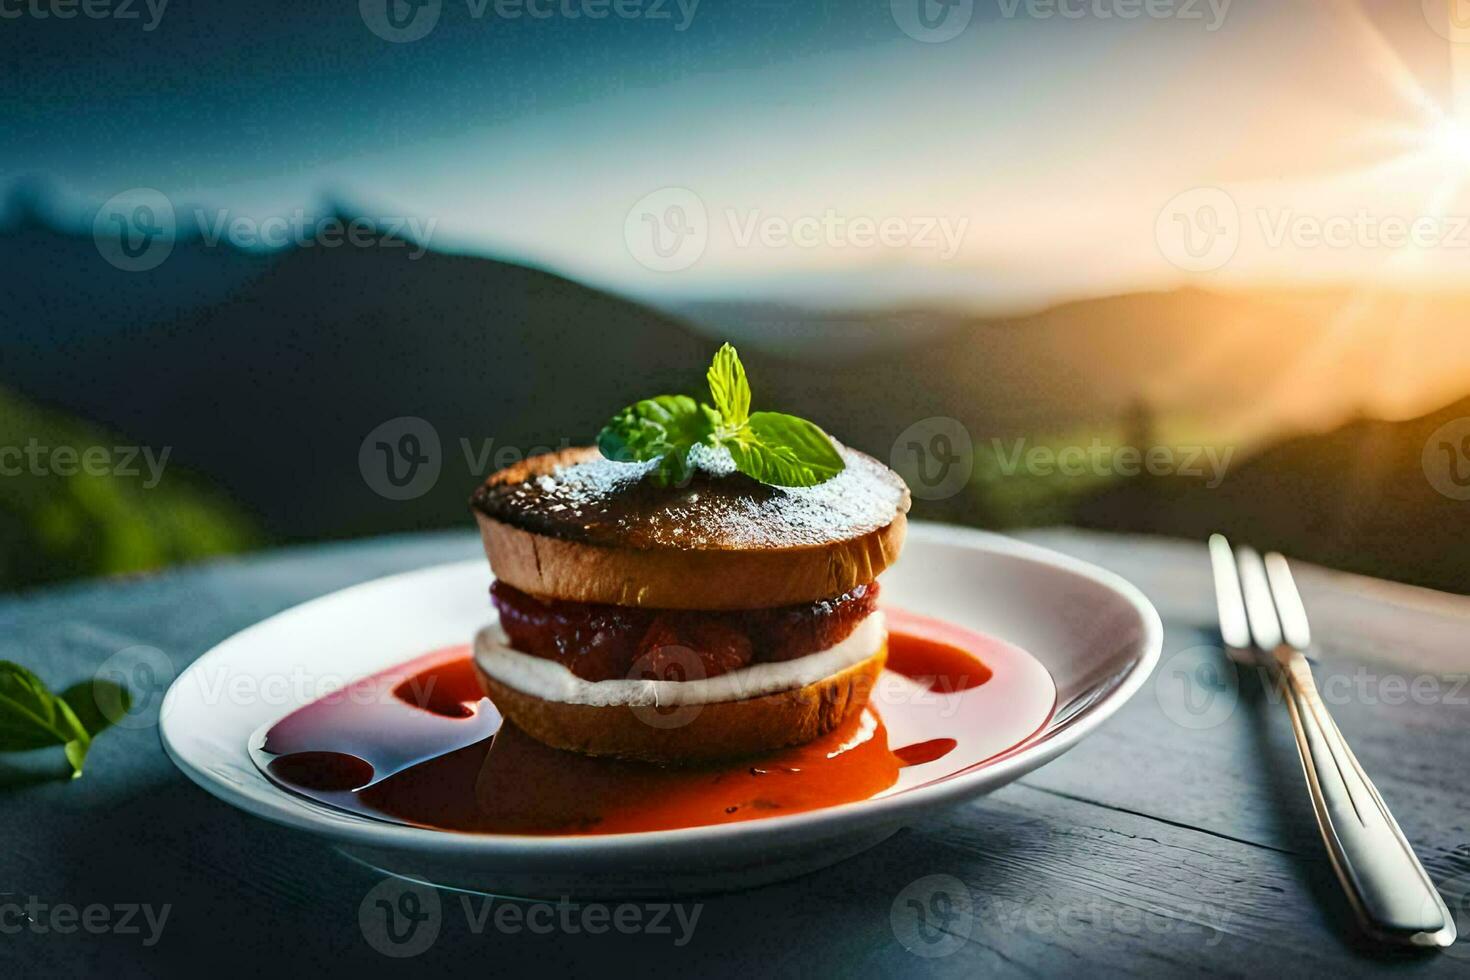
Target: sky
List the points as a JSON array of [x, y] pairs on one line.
[[983, 153]]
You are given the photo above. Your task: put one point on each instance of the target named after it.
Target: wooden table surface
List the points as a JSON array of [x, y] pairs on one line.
[[1178, 839]]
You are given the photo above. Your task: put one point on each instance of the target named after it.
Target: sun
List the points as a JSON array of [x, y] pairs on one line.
[[1449, 140]]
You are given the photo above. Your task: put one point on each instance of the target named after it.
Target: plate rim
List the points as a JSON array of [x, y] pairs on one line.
[[348, 828]]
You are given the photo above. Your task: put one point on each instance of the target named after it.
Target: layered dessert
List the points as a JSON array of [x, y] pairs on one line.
[[662, 603]]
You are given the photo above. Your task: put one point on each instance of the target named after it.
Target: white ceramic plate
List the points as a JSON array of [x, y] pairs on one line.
[[1096, 634]]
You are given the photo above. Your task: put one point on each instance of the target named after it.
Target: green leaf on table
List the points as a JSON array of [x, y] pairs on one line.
[[31, 717], [98, 704], [76, 755], [785, 451]]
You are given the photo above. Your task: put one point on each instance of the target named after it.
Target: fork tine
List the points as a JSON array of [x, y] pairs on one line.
[[1233, 627], [1259, 608], [1289, 608]]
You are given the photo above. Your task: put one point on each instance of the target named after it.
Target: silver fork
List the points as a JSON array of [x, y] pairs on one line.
[[1263, 622]]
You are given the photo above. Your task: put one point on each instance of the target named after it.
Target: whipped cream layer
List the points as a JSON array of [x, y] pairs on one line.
[[550, 681]]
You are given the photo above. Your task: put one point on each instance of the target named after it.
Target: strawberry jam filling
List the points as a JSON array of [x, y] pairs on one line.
[[600, 642]]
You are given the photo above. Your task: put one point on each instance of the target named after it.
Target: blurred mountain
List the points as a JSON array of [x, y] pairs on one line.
[[58, 295], [1358, 498], [1249, 364], [272, 374], [270, 387]]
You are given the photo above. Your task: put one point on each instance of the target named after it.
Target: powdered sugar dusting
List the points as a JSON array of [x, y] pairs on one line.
[[601, 501]]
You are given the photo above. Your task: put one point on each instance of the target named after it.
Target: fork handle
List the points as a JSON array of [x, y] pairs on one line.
[[1389, 889]]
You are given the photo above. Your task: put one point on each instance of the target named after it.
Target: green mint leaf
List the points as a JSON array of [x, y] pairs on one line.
[[674, 469], [76, 755], [31, 717], [656, 427], [97, 704], [776, 449], [784, 451], [76, 748], [729, 387]]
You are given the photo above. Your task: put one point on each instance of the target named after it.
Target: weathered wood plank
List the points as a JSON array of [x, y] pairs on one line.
[[1240, 776], [1152, 848]]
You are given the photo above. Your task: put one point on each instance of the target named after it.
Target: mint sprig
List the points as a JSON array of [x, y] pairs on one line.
[[728, 387], [31, 717], [780, 450], [664, 428]]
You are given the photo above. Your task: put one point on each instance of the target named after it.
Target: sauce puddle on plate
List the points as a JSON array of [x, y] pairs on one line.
[[419, 744]]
